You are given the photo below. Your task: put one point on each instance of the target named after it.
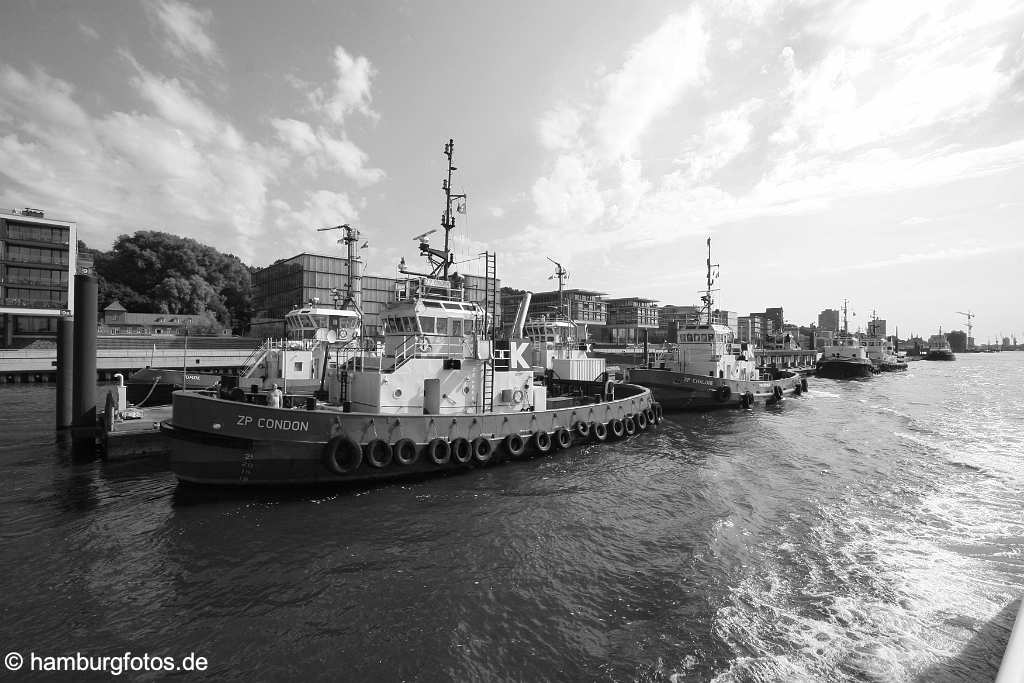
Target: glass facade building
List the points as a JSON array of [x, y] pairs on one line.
[[298, 280], [37, 263]]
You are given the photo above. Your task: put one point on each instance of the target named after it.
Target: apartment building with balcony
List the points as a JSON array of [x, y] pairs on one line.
[[38, 257], [630, 320]]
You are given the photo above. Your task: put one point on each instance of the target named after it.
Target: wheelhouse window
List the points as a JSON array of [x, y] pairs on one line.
[[427, 324]]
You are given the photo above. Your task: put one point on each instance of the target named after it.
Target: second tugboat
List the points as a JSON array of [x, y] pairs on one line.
[[707, 369], [846, 357], [444, 395]]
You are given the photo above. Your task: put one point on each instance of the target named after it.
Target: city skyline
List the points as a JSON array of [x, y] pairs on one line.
[[858, 151]]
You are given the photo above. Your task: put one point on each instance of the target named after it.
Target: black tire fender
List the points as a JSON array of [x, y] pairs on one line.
[[405, 451], [514, 445], [378, 453], [541, 441], [439, 451], [342, 454]]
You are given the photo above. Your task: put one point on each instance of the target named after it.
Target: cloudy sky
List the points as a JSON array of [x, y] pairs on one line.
[[869, 150]]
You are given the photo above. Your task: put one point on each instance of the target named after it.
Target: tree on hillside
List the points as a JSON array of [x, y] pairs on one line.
[[156, 272]]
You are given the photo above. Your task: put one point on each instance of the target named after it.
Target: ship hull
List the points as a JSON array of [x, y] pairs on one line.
[[154, 386], [940, 355], [223, 442], [840, 369], [678, 391]]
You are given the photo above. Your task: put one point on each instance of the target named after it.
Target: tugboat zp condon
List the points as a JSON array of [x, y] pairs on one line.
[[708, 369], [444, 395]]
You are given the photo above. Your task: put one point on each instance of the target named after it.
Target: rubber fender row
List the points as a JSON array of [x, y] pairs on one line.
[[344, 455]]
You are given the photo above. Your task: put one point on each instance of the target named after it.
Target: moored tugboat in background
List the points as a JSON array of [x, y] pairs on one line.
[[880, 350], [846, 357], [938, 348], [443, 395], [707, 369]]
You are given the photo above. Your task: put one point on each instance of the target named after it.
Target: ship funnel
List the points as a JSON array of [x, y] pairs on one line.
[[524, 306]]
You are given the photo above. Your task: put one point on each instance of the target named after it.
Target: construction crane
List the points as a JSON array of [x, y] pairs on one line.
[[970, 316]]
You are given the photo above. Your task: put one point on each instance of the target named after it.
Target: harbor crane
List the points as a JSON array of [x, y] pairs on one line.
[[970, 316]]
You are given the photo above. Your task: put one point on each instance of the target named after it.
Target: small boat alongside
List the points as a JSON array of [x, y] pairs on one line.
[[708, 369], [443, 395], [939, 348], [150, 387]]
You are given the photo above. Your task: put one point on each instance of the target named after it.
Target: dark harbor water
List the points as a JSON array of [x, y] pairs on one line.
[[868, 530]]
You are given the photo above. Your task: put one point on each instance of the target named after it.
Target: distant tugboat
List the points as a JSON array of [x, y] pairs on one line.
[[846, 357], [707, 369], [880, 351], [443, 395], [938, 348]]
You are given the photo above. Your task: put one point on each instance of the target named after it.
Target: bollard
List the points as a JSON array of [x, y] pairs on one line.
[[65, 371]]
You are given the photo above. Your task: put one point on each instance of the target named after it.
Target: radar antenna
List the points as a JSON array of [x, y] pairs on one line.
[[561, 273]]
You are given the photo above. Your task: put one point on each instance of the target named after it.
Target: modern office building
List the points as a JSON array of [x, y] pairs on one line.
[[774, 315], [876, 328], [38, 257], [307, 277], [755, 328], [829, 320], [629, 320], [670, 317]]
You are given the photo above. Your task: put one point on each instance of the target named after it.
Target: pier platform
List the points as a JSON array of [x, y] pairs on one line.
[[128, 439]]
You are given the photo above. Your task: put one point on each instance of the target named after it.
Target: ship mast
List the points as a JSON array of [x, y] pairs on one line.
[[448, 219], [846, 327], [350, 239], [440, 259], [707, 298], [561, 273]]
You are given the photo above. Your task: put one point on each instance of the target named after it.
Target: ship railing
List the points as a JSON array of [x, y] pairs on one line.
[[415, 346], [249, 364]]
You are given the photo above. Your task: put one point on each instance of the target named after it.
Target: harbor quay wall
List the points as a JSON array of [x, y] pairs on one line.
[[40, 365]]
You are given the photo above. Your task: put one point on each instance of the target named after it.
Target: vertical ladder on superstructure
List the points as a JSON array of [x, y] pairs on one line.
[[490, 324]]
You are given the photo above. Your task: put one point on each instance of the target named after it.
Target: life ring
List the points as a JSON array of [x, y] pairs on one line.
[[616, 427], [423, 345], [481, 449], [803, 384], [582, 429], [563, 437], [722, 394], [461, 450], [777, 392], [378, 453], [405, 451], [600, 431], [641, 421], [439, 451], [517, 395], [542, 442], [515, 445], [342, 335], [342, 454], [629, 424]]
